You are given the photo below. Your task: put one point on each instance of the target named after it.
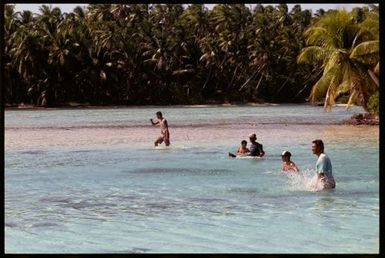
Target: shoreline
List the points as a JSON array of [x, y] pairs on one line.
[[29, 107], [355, 119], [235, 104], [364, 119]]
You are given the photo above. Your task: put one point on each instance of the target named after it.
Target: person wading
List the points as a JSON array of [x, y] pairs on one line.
[[323, 166], [164, 132]]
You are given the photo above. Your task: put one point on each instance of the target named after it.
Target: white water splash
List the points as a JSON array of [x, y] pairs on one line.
[[305, 180]]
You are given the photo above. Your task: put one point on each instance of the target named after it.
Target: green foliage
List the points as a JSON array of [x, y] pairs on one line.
[[345, 46], [138, 54], [374, 103]]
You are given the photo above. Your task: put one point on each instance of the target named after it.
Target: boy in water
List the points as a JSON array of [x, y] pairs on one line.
[[287, 164], [243, 149], [164, 133]]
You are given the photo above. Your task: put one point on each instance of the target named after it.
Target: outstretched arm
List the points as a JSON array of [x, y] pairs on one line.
[[296, 169], [154, 123]]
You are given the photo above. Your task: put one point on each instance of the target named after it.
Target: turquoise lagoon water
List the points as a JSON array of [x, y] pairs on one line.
[[90, 181]]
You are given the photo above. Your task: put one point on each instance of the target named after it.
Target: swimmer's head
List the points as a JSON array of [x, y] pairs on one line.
[[286, 155]]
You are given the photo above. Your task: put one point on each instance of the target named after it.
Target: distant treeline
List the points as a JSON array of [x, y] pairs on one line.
[[140, 54]]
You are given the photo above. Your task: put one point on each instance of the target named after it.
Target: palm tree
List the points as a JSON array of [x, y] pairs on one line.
[[370, 29], [25, 47], [337, 44], [12, 88], [190, 72], [228, 45], [268, 49]]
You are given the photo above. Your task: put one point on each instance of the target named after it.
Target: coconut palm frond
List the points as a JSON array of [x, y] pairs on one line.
[[350, 49], [369, 84], [320, 37], [320, 88], [338, 24], [343, 88], [327, 103], [346, 81], [332, 62], [312, 55], [331, 94], [333, 89], [377, 69], [367, 52], [374, 77], [347, 72], [352, 99], [364, 83], [365, 76], [372, 24]]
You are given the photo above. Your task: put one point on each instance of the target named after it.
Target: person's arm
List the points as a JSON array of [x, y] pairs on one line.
[[154, 123], [261, 152], [294, 166], [321, 167]]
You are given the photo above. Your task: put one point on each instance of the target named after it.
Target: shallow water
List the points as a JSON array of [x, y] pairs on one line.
[[90, 181]]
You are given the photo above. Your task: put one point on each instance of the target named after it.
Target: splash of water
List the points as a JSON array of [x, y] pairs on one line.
[[306, 180]]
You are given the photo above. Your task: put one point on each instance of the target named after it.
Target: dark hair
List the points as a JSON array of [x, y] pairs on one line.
[[244, 142], [319, 143], [287, 154], [159, 113]]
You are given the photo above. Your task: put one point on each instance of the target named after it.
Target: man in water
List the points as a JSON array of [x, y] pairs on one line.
[[323, 165], [164, 133], [256, 149]]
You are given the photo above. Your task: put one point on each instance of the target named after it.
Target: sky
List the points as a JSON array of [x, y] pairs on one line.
[[69, 7]]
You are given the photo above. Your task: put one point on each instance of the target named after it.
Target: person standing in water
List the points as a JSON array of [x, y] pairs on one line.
[[164, 133], [323, 166], [256, 149]]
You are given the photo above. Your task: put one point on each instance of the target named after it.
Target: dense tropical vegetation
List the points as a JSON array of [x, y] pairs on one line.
[[138, 54], [346, 44]]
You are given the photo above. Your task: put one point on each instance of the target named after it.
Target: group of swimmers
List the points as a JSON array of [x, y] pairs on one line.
[[256, 150], [323, 177]]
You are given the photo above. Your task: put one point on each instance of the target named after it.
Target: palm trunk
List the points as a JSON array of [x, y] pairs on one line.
[[374, 77], [284, 83], [208, 78], [248, 80], [232, 79]]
